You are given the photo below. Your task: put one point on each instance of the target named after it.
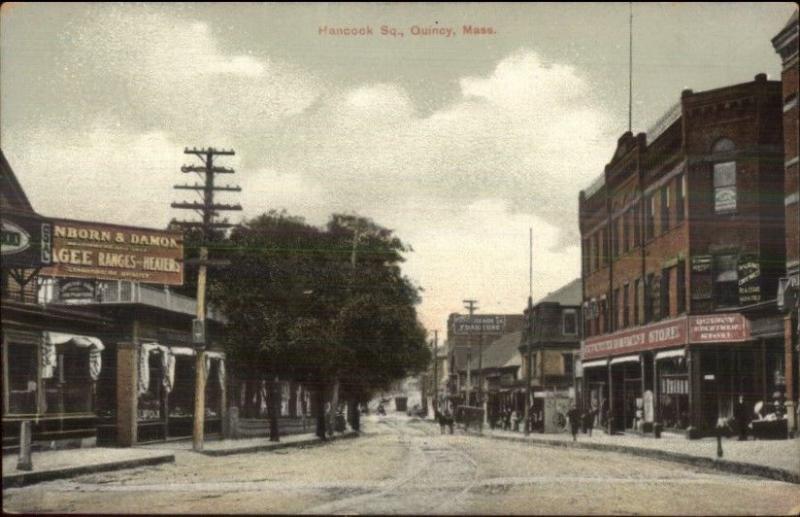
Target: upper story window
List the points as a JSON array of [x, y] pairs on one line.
[[665, 208], [724, 179], [726, 281], [587, 253], [725, 187], [680, 196], [570, 321], [649, 217], [603, 247]]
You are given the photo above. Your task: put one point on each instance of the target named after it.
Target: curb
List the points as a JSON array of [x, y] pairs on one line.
[[278, 445], [29, 478], [734, 467]]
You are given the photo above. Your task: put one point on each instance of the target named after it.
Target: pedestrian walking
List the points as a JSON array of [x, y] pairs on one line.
[[449, 420], [740, 415], [574, 418], [441, 420], [588, 420]]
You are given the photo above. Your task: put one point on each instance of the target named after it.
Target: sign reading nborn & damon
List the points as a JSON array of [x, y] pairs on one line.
[[110, 252], [713, 328], [479, 323]]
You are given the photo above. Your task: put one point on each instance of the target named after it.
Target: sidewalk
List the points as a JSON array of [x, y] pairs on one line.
[[245, 445], [774, 459], [49, 465]]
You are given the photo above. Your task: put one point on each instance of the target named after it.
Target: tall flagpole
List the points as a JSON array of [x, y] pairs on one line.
[[630, 67]]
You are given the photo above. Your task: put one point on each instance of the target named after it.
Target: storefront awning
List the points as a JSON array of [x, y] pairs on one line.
[[666, 354], [625, 359], [49, 360], [182, 350], [60, 338], [595, 364]]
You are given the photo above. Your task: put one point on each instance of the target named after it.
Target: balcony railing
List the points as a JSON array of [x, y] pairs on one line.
[[131, 292]]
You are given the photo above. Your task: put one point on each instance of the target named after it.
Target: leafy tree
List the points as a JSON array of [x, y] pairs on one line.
[[323, 307]]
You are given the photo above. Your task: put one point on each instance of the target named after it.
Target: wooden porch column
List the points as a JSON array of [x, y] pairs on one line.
[[789, 371], [127, 393]]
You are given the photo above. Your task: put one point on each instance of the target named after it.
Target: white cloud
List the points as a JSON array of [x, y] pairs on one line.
[[106, 174], [528, 133], [173, 74], [462, 185], [481, 251]]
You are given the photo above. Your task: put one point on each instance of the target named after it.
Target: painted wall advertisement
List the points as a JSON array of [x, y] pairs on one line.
[[749, 272], [109, 252]]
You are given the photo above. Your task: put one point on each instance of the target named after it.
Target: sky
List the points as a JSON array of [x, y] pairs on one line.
[[458, 143]]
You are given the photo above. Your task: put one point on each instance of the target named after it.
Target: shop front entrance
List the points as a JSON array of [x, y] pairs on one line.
[[626, 393]]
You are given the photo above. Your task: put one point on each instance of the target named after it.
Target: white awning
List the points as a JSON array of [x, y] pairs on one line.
[[59, 338], [666, 354], [51, 339], [594, 364], [182, 350], [625, 359]]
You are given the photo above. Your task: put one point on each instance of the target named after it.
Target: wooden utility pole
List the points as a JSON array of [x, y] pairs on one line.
[[207, 209], [470, 306], [435, 371], [529, 322]]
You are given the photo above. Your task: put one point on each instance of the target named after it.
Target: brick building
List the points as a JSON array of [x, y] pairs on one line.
[[786, 45], [680, 265]]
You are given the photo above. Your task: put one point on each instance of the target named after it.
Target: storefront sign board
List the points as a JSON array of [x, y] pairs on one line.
[[108, 252], [714, 328], [477, 324], [657, 335], [717, 328]]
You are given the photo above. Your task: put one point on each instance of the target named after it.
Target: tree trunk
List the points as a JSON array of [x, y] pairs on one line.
[[293, 399], [334, 405], [319, 410], [273, 406], [352, 414], [248, 399]]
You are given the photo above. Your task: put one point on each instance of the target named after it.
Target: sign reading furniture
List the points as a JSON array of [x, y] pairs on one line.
[[483, 323], [109, 252], [714, 328]]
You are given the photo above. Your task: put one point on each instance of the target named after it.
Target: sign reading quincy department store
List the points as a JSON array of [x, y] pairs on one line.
[[109, 252]]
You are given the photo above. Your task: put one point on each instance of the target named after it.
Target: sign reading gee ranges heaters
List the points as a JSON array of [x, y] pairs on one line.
[[109, 252]]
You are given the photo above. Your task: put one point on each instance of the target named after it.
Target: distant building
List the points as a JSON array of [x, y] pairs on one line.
[[680, 264], [555, 346], [786, 44], [465, 338]]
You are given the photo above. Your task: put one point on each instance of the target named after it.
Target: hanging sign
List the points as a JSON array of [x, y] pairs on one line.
[[749, 272], [25, 241]]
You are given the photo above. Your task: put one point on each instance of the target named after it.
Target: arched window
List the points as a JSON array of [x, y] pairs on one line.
[[724, 179], [723, 145]]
